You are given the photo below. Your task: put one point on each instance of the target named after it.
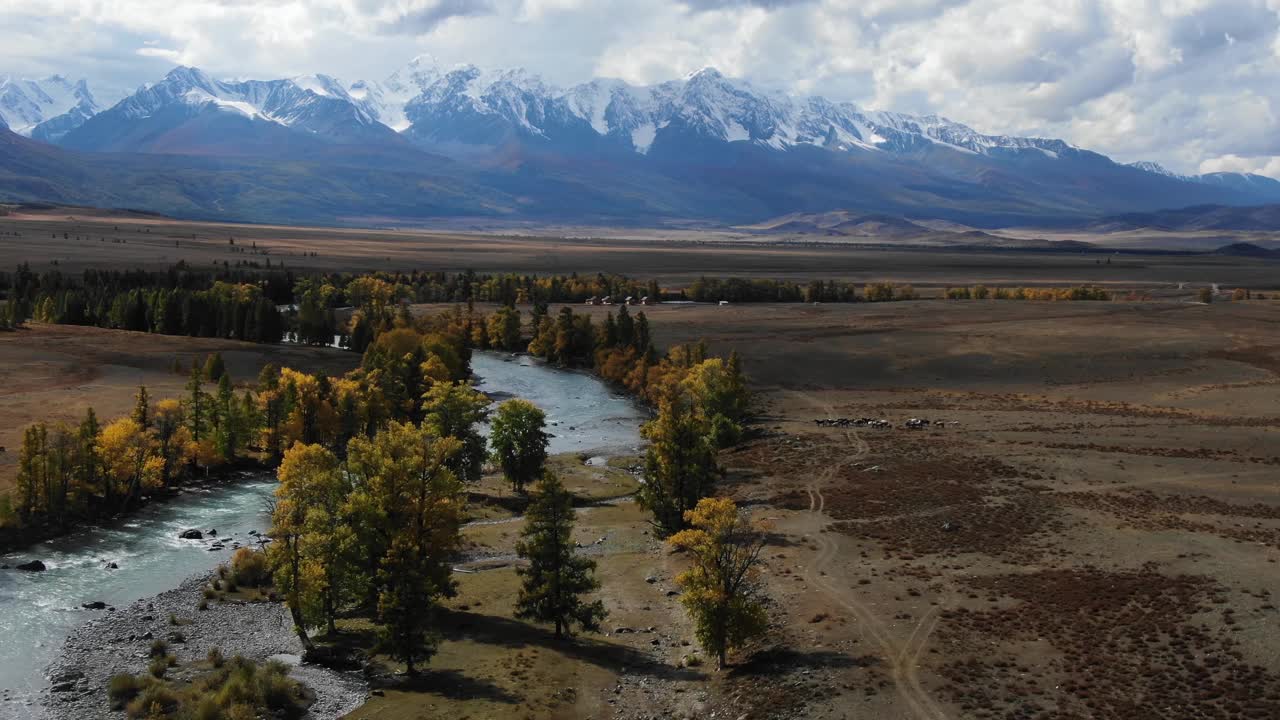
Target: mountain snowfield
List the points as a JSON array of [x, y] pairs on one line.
[[429, 141], [47, 108]]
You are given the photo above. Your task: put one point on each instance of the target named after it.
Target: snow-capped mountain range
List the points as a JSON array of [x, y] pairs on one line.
[[47, 108], [440, 108], [508, 142]]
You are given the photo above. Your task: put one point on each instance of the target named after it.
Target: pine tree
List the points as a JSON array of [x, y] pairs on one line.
[[88, 464], [32, 469], [626, 328], [142, 408], [197, 405], [556, 578], [226, 420]]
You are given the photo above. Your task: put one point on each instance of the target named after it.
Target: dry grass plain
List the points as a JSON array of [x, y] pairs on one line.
[[56, 372], [76, 240], [1094, 532]]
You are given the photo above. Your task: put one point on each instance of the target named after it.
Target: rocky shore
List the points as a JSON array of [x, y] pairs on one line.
[[118, 642]]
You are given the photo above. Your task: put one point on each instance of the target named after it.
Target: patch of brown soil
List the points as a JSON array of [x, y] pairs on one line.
[[1146, 510], [927, 503], [1131, 645], [1200, 453]]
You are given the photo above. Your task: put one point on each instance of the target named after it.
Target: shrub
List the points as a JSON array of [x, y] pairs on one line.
[[211, 592], [278, 692], [249, 568], [173, 619], [157, 700], [122, 688], [159, 648], [204, 605], [208, 709], [159, 666], [215, 657]]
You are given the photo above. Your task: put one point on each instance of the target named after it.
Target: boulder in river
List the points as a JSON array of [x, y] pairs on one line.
[[191, 535], [33, 566], [95, 605]]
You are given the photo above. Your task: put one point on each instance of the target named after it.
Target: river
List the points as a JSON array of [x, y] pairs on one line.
[[38, 610]]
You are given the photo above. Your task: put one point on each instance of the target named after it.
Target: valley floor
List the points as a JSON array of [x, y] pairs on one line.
[[1087, 527]]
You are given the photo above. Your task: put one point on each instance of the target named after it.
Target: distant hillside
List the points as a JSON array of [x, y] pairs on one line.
[[1198, 217], [842, 223], [1244, 249]]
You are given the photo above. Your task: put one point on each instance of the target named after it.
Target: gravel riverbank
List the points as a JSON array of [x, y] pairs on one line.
[[118, 641]]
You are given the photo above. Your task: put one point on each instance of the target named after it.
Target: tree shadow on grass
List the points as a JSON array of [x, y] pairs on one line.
[[453, 685], [775, 660], [506, 632]]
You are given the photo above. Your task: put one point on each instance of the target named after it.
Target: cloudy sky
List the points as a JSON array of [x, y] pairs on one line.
[[1193, 84]]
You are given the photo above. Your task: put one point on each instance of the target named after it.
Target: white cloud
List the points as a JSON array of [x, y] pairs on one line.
[[1189, 83]]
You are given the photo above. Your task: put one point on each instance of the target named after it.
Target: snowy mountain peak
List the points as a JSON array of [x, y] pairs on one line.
[[26, 106], [1158, 169]]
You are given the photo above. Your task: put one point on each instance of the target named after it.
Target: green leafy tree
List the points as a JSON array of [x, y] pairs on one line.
[[680, 463], [407, 509], [214, 367], [519, 441], [504, 329], [720, 591], [456, 410], [720, 396], [556, 578]]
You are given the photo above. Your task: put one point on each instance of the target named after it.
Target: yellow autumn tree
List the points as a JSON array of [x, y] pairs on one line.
[[128, 460], [720, 590]]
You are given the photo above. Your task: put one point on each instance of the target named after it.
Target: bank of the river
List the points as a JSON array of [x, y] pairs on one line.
[[118, 642], [14, 540]]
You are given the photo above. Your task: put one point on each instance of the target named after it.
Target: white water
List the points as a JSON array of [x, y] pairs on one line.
[[38, 610]]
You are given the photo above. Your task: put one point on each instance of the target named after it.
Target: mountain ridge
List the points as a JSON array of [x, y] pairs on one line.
[[705, 147]]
